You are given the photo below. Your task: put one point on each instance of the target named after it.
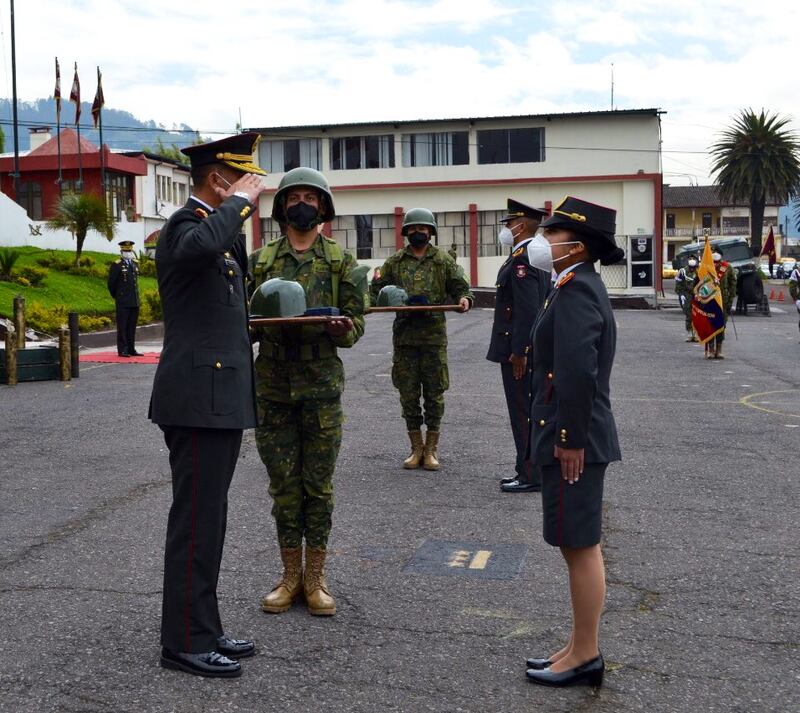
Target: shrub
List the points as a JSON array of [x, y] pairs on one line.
[[34, 275], [8, 256], [87, 271], [24, 281], [49, 320], [147, 266], [150, 310]]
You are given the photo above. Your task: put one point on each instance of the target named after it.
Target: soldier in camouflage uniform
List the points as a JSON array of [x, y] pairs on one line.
[[452, 251], [685, 281], [727, 285], [299, 383], [794, 286], [419, 364]]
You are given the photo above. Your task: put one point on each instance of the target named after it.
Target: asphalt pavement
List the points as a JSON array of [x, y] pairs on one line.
[[444, 585]]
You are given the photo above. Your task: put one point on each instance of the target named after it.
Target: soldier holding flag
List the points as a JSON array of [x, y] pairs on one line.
[[708, 315]]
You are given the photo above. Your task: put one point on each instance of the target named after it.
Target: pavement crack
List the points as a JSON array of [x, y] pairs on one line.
[[84, 521]]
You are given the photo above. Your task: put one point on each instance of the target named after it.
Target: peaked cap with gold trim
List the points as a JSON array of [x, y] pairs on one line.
[[235, 151], [520, 210], [596, 225]]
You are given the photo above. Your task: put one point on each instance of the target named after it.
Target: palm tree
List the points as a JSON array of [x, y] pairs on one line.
[[757, 159], [79, 213]]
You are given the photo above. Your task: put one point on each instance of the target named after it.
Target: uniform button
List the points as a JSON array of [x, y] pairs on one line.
[[542, 422], [231, 273], [505, 333], [227, 254], [497, 285], [529, 420], [218, 365], [550, 375]]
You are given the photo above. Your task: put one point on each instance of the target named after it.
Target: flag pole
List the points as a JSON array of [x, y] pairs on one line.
[[60, 179], [102, 153], [14, 100]]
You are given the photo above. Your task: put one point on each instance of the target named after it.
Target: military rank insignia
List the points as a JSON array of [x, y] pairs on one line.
[[522, 271], [564, 280], [199, 211], [518, 252]]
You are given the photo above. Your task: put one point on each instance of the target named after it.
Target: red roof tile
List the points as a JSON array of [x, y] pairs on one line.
[[69, 145]]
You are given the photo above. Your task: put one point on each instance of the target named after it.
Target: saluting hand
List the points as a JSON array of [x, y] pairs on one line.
[[571, 460], [249, 183]]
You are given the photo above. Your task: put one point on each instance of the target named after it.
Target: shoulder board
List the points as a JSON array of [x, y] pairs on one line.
[[564, 280], [272, 242], [118, 261], [202, 213], [518, 252]]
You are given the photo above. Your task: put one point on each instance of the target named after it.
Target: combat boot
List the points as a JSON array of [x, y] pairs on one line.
[[318, 599], [718, 351], [429, 459], [417, 446], [291, 584]]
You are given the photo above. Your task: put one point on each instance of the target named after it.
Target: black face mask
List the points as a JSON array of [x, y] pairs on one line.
[[302, 216], [417, 239]]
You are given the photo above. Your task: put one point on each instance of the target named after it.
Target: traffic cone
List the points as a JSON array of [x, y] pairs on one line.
[[772, 294], [780, 296]]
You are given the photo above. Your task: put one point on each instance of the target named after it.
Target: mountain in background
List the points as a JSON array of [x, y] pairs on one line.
[[121, 129]]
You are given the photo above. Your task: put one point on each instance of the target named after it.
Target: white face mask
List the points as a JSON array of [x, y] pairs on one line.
[[506, 237], [127, 254], [692, 263], [716, 257], [540, 253]]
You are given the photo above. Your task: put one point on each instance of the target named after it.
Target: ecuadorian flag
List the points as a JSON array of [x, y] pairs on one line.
[[708, 318]]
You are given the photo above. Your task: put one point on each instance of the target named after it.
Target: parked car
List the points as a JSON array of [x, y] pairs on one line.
[[784, 268], [764, 268]]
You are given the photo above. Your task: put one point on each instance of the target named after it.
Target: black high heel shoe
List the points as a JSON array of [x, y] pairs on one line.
[[537, 664], [589, 673]]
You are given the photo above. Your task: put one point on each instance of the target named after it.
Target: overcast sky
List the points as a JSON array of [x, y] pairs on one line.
[[288, 62]]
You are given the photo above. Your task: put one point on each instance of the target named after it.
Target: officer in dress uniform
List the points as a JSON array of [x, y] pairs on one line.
[[574, 436], [123, 284], [521, 290], [204, 395]]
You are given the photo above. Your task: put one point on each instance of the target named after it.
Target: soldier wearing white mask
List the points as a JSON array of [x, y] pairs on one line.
[[521, 290]]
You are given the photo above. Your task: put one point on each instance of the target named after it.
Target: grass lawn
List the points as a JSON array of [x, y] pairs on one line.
[[84, 295]]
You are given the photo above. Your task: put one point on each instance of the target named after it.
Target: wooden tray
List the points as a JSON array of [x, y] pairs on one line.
[[282, 321], [417, 308]]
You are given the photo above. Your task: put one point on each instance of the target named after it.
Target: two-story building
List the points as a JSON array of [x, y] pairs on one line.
[[691, 211], [465, 169]]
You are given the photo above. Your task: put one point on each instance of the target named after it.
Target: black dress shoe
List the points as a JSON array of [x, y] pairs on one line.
[[589, 673], [210, 664], [537, 664], [517, 486], [123, 354], [135, 353], [508, 479], [235, 648]]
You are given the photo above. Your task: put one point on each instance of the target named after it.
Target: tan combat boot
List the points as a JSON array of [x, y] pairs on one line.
[[429, 460], [285, 592], [417, 446], [718, 351], [318, 598]]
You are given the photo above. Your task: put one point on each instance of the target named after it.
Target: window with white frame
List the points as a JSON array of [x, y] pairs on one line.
[[281, 155], [351, 152], [164, 188], [511, 145], [444, 148]]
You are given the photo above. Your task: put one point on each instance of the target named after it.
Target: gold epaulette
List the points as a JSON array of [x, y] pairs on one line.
[[202, 213], [518, 252], [564, 280]]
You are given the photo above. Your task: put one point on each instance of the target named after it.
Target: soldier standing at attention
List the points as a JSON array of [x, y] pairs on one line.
[[299, 384], [685, 281], [727, 285], [521, 290], [452, 251], [203, 395], [123, 284], [419, 365]]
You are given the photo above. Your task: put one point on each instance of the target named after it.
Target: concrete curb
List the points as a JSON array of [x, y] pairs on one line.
[[144, 333]]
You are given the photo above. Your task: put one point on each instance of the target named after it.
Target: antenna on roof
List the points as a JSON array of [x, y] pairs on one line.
[[612, 86]]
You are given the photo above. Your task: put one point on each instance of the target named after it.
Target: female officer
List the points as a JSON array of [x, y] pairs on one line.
[[573, 436]]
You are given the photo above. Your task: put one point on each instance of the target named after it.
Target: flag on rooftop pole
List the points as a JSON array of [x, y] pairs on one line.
[[57, 97], [99, 100], [708, 317], [75, 95]]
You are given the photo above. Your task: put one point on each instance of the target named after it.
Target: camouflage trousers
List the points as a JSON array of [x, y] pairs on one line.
[[421, 372], [687, 313], [299, 443]]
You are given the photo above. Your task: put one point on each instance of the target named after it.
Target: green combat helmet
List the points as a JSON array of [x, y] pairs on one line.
[[278, 298], [392, 296], [303, 176], [419, 216]]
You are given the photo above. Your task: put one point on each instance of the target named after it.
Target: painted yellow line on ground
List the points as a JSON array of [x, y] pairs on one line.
[[747, 401], [480, 559], [459, 558]]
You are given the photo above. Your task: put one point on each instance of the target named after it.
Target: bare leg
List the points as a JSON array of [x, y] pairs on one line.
[[587, 584], [558, 655]]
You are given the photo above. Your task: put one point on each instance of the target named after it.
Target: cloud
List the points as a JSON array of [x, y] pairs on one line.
[[296, 62]]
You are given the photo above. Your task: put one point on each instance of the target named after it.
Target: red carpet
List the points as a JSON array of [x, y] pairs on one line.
[[113, 358]]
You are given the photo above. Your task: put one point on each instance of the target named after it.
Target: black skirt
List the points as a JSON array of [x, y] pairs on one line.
[[573, 514]]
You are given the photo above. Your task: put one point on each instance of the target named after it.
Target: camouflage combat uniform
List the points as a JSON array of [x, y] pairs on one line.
[[685, 281], [727, 285], [419, 364], [299, 382]]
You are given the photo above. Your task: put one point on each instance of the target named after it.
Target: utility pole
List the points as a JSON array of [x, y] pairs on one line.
[[14, 104]]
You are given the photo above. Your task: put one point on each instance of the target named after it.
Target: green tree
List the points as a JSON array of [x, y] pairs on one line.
[[756, 159], [2, 140], [79, 213]]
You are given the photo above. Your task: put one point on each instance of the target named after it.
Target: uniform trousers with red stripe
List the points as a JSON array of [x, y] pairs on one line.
[[518, 400], [202, 462]]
